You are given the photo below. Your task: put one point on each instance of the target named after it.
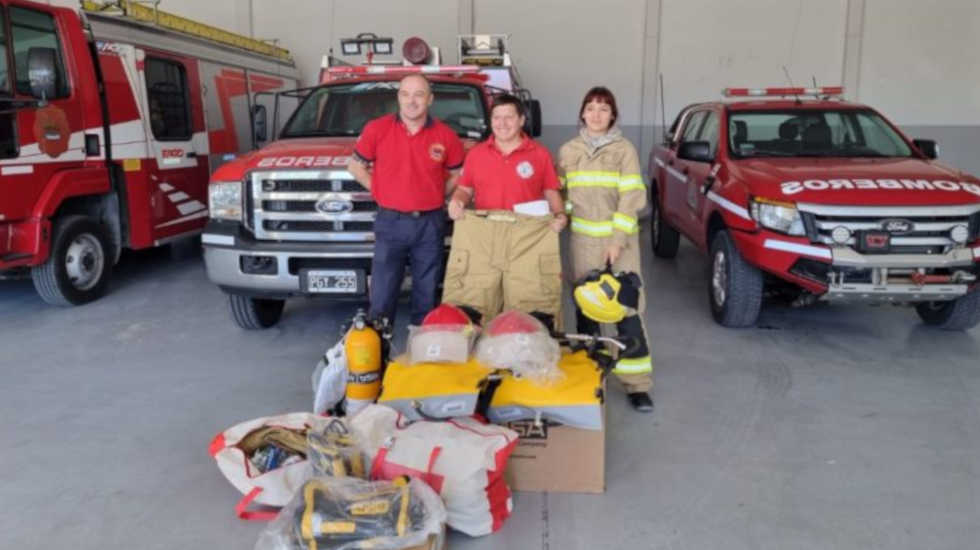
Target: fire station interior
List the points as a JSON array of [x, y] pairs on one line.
[[836, 425]]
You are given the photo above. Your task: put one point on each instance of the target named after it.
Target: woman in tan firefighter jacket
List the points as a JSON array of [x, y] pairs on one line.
[[601, 174]]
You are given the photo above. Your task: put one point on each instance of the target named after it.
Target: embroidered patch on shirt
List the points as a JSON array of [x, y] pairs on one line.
[[525, 170]]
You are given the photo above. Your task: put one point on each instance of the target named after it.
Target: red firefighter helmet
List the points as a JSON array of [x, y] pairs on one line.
[[514, 322], [446, 314]]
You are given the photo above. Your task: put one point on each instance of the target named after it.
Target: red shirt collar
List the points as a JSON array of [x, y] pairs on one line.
[[524, 146], [428, 120]]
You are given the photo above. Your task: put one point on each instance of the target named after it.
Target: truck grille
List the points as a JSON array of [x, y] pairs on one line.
[[283, 206], [930, 226]]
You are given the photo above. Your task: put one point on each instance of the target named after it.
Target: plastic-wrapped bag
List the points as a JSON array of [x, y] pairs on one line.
[[445, 335], [333, 451], [352, 514], [518, 342], [440, 343], [330, 378]]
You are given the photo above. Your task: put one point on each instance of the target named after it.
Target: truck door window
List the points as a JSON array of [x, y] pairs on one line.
[[166, 94], [709, 132], [35, 29], [693, 126], [8, 127]]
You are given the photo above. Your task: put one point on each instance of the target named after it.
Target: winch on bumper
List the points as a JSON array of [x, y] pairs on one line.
[[842, 273], [240, 264], [900, 277]]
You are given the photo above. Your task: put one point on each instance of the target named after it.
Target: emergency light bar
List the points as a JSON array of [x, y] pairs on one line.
[[763, 92], [402, 69]]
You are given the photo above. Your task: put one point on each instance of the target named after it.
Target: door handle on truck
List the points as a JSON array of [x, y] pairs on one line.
[[709, 181], [191, 155]]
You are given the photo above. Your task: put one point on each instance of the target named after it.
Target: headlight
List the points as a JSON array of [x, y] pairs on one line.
[[778, 216], [225, 200]]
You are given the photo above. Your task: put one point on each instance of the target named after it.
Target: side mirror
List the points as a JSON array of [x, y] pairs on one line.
[[532, 122], [41, 73], [260, 124], [928, 147], [697, 151]]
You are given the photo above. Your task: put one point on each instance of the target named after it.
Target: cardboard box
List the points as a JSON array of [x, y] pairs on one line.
[[556, 458]]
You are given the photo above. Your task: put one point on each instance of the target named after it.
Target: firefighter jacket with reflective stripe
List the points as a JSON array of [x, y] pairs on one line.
[[604, 187]]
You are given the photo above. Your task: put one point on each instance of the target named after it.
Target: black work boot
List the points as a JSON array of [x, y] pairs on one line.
[[641, 401]]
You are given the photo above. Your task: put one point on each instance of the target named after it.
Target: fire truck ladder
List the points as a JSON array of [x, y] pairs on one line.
[[138, 12]]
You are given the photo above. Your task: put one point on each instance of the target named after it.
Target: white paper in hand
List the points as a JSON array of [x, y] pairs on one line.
[[533, 208]]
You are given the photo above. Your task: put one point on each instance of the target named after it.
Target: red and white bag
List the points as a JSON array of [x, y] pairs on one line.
[[275, 487], [462, 459]]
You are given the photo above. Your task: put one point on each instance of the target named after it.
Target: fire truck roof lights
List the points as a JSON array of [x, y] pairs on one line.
[[770, 92]]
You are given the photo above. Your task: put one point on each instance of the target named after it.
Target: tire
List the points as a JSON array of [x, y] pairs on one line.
[[664, 238], [255, 313], [962, 313], [734, 286], [79, 264]]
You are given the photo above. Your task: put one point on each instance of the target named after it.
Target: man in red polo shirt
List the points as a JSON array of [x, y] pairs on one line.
[[505, 252], [403, 160]]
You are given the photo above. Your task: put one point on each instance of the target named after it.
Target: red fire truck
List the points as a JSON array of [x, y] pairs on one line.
[[809, 197], [111, 120], [289, 219]]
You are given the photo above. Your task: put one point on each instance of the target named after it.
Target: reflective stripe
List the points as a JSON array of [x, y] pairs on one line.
[[591, 228], [606, 173], [592, 178], [630, 183], [624, 223], [568, 207], [638, 365]]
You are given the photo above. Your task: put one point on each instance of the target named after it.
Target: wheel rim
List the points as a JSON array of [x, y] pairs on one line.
[[84, 261], [655, 226], [719, 278]]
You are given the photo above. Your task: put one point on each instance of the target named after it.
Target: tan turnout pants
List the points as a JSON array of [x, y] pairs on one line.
[[501, 260]]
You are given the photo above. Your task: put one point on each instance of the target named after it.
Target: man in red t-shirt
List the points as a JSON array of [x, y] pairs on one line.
[[505, 252], [403, 160]]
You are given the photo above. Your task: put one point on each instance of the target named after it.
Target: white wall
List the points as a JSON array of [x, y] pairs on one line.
[[563, 49], [708, 45], [920, 61]]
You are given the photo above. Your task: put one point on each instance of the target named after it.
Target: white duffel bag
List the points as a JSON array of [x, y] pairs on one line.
[[276, 486], [463, 459]]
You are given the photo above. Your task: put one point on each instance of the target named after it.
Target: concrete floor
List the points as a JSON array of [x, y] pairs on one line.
[[830, 427]]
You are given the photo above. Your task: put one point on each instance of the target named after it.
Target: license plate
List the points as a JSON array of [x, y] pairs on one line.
[[332, 281]]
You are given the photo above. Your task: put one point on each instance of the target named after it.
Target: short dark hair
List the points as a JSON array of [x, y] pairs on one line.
[[602, 95], [508, 99]]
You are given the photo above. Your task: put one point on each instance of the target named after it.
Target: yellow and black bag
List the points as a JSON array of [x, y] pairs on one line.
[[335, 514]]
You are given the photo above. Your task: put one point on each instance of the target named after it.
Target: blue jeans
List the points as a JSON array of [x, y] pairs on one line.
[[400, 240]]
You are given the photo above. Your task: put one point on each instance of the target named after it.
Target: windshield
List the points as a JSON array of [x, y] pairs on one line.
[[343, 110], [799, 133]]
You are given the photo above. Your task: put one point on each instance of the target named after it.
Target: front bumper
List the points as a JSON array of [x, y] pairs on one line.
[[23, 243], [226, 244], [841, 273]]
